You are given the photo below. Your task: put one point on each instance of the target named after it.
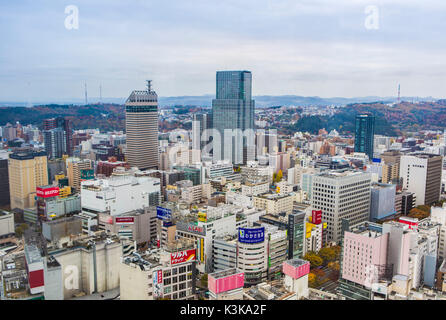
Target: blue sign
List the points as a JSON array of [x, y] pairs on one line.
[[163, 213], [251, 235], [377, 160]]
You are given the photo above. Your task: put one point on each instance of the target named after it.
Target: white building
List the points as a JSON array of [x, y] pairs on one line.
[[341, 195], [421, 175], [119, 194]]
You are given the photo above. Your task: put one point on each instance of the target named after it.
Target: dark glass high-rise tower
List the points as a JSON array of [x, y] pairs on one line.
[[232, 109], [364, 134]]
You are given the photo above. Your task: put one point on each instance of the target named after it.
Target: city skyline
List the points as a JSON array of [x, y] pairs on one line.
[[308, 48]]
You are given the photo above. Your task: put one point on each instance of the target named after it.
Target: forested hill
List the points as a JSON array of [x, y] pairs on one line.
[[104, 116], [390, 119]]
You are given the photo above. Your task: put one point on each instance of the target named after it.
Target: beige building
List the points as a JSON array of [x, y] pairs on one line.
[[27, 170], [162, 274], [74, 168], [141, 123], [275, 203], [88, 268]]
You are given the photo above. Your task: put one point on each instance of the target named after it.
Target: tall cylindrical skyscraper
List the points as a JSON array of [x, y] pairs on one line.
[[141, 123]]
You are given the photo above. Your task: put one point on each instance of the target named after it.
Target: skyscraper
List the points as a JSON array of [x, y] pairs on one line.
[[141, 115], [233, 109], [364, 134]]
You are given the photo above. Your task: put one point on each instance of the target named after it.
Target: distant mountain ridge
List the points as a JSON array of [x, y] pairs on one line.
[[261, 101]]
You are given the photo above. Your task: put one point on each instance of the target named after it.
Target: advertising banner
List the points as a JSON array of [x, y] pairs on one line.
[[47, 192], [182, 256], [163, 213], [125, 220], [251, 235]]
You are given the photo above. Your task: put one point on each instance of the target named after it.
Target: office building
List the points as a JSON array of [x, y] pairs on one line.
[[421, 174], [233, 109], [141, 114], [27, 170], [382, 201], [78, 170], [364, 134], [341, 195]]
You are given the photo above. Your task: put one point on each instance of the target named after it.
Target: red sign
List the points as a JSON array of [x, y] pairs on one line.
[[182, 256], [316, 216], [160, 276], [47, 192], [125, 220]]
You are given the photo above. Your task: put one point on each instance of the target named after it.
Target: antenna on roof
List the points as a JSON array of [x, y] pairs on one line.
[[149, 85]]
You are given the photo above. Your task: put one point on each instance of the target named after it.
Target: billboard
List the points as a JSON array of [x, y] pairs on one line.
[[163, 213], [47, 192], [412, 222], [191, 227], [251, 235], [230, 282], [316, 216], [202, 216], [182, 256], [157, 283], [87, 174], [125, 220]]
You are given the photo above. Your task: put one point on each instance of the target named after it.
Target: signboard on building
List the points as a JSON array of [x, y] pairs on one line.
[[125, 220], [316, 216], [223, 284], [157, 283], [251, 235], [182, 256], [296, 270], [412, 222], [163, 213], [87, 174], [190, 227], [202, 216], [47, 192]]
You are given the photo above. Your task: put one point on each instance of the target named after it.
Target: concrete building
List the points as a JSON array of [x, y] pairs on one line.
[[252, 258], [421, 175], [27, 170], [382, 201], [224, 253], [141, 114], [89, 264], [296, 277], [164, 273], [120, 193], [341, 195], [226, 285], [254, 189], [274, 203], [75, 167], [138, 225]]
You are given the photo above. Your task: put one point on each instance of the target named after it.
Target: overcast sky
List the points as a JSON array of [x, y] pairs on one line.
[[302, 47]]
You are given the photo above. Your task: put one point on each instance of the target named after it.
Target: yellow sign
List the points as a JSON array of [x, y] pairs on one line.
[[202, 216]]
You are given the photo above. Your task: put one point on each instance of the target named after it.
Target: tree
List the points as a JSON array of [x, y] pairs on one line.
[[279, 176], [328, 254], [314, 259], [312, 280]]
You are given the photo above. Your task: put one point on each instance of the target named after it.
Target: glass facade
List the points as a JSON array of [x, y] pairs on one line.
[[364, 134], [232, 109]]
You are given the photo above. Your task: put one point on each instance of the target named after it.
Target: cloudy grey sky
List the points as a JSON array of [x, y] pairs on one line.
[[302, 47]]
